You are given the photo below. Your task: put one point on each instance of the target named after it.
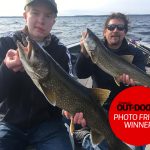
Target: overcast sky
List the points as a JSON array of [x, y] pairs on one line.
[[82, 7]]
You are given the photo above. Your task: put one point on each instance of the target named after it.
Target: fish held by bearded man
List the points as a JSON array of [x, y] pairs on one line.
[[110, 62]]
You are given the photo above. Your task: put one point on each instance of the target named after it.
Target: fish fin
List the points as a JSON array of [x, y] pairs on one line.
[[49, 94], [101, 94], [96, 137], [118, 83], [72, 126], [39, 87], [128, 58]]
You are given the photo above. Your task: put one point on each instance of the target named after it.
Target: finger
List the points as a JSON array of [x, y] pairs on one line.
[[82, 39], [127, 79], [76, 117], [119, 79], [15, 64], [83, 123], [132, 83], [124, 78], [80, 118], [67, 114], [12, 55], [84, 34], [82, 43], [11, 52], [17, 68]]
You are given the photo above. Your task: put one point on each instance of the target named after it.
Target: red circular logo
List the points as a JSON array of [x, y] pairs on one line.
[[129, 115]]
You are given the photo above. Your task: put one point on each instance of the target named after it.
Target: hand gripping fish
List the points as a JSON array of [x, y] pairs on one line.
[[111, 63], [61, 90]]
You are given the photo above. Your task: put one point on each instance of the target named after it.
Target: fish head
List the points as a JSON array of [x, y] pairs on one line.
[[33, 58], [90, 44]]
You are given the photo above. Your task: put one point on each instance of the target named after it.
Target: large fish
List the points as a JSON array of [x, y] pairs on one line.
[[110, 62], [63, 91]]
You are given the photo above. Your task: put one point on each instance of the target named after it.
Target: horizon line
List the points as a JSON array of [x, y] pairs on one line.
[[73, 15]]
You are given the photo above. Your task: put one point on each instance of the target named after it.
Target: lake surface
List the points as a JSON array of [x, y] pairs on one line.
[[69, 28]]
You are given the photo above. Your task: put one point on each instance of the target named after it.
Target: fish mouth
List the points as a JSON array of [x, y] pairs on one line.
[[86, 34], [88, 38], [29, 49], [26, 50]]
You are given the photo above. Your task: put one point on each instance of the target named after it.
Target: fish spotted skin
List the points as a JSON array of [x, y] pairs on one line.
[[61, 90]]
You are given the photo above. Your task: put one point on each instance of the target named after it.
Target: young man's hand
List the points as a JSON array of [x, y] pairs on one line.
[[77, 118], [12, 61]]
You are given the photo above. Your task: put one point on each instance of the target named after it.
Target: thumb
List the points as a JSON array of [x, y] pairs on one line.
[[67, 114]]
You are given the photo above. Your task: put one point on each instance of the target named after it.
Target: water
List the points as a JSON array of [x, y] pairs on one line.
[[69, 29]]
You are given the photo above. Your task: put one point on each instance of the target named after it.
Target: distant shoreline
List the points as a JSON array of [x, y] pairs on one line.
[[78, 16]]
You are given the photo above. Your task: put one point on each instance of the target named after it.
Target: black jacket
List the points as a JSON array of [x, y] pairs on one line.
[[21, 103], [85, 68]]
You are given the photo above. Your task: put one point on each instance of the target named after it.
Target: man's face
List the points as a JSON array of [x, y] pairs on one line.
[[115, 35], [39, 20]]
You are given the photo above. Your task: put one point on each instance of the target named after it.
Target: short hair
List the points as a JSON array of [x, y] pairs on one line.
[[120, 16]]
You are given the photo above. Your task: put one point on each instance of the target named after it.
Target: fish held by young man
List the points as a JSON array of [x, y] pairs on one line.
[[63, 91], [111, 63]]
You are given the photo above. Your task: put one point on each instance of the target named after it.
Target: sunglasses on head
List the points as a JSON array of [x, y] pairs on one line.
[[119, 27]]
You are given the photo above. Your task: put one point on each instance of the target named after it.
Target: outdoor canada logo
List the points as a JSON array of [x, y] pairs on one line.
[[129, 115]]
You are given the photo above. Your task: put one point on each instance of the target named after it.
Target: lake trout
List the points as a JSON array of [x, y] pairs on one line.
[[61, 90], [111, 63]]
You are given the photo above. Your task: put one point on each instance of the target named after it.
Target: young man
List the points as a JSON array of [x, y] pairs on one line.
[[115, 30], [26, 116]]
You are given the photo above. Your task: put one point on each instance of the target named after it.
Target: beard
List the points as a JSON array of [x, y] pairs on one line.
[[114, 41]]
